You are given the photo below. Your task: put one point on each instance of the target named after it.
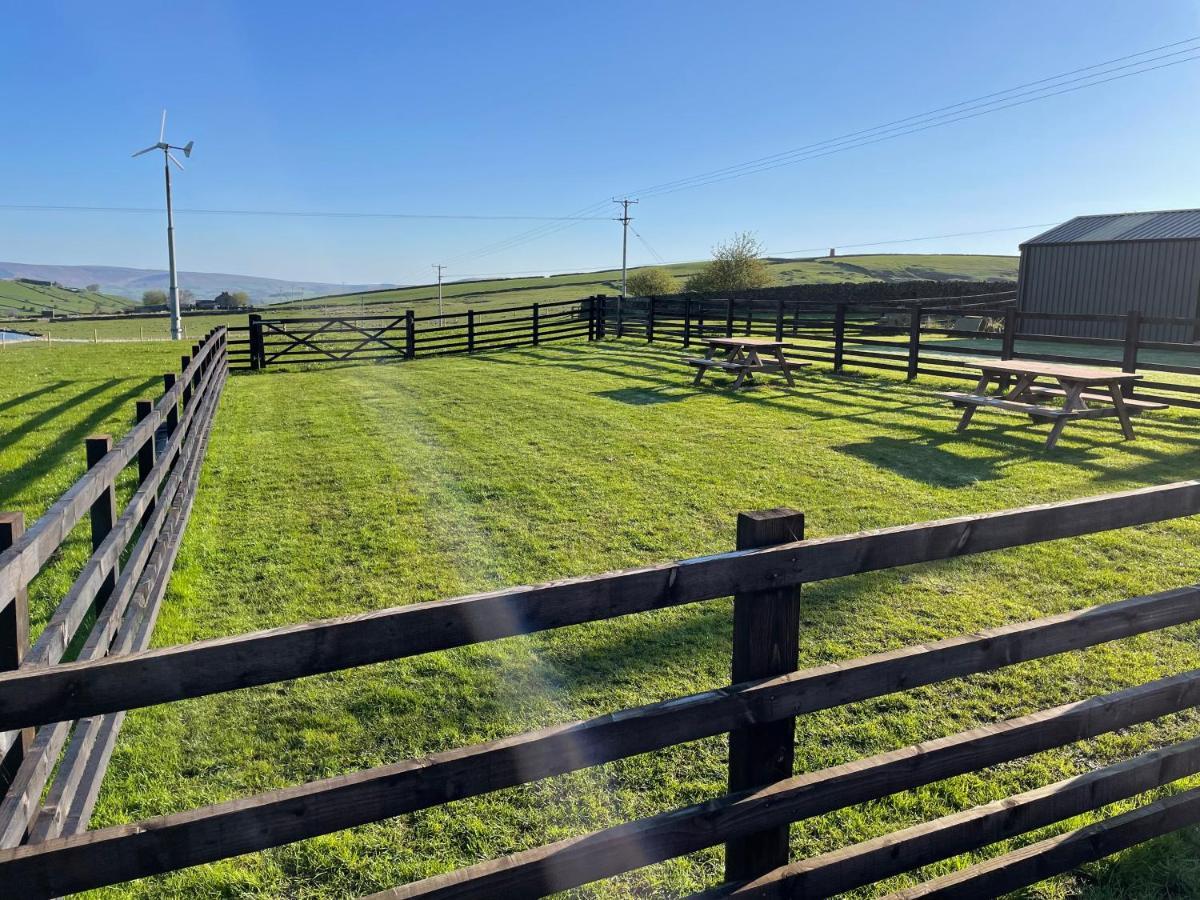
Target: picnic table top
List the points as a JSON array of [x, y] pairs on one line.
[[743, 342], [1067, 371]]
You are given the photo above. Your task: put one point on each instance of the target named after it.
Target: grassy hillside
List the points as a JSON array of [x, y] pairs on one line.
[[19, 299], [522, 291], [505, 291]]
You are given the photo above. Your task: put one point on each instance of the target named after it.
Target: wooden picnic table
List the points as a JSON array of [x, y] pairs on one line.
[[745, 356], [1088, 392]]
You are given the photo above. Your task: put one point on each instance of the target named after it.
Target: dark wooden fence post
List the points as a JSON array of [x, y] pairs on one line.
[[257, 355], [1008, 342], [536, 323], [104, 509], [687, 322], [839, 336], [1133, 327], [146, 452], [729, 318], [766, 642], [184, 361], [470, 331], [779, 320], [914, 341], [14, 641], [700, 319], [410, 334], [173, 412], [591, 318], [650, 319], [602, 322]]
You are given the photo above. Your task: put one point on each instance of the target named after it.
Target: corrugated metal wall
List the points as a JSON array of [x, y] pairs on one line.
[[1160, 278]]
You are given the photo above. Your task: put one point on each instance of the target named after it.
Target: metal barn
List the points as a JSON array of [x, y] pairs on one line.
[[1110, 264]]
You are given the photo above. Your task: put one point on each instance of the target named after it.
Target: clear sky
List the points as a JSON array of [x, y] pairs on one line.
[[527, 108]]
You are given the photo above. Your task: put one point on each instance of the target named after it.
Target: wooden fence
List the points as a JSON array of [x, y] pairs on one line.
[[764, 575], [930, 338], [111, 606], [272, 341]]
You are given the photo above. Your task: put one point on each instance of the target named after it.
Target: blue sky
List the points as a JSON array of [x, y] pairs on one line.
[[546, 108]]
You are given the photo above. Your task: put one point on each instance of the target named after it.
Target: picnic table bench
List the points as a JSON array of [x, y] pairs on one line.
[[745, 356], [1088, 392]]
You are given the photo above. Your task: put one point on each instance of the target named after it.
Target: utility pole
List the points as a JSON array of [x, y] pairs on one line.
[[624, 220], [439, 268]]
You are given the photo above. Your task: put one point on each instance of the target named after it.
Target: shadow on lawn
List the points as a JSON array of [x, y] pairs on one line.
[[37, 392], [70, 440]]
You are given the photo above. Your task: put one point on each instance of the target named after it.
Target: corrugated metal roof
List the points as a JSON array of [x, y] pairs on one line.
[[1177, 224]]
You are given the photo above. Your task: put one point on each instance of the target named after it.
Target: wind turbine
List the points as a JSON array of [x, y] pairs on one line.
[[168, 158]]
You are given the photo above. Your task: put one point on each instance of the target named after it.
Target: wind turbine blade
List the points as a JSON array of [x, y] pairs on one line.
[[171, 157], [162, 128], [147, 150]]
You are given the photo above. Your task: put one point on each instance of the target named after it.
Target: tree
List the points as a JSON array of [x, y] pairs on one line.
[[737, 265], [229, 299], [154, 298], [93, 288], [651, 282], [186, 298]]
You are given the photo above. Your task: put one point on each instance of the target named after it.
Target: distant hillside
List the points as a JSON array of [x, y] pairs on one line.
[[21, 299], [824, 270], [130, 283]]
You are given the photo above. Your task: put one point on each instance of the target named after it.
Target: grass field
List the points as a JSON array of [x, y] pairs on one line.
[[50, 400], [343, 489], [20, 299]]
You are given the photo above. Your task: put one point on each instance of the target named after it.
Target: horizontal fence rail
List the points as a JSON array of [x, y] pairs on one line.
[[939, 337], [310, 339], [52, 865], [112, 604]]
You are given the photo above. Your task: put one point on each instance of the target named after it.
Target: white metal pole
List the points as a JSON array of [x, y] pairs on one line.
[[176, 317]]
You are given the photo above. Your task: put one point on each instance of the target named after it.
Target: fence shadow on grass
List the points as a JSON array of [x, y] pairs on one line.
[[70, 440], [31, 395]]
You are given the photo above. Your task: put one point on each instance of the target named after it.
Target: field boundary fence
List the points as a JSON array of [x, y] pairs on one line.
[[939, 337], [50, 776], [758, 710], [325, 339]]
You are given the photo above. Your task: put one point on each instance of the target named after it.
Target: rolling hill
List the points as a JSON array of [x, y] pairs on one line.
[[823, 270], [130, 283], [18, 299]]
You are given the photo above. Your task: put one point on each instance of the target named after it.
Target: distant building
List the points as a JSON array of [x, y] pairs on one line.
[[1111, 264]]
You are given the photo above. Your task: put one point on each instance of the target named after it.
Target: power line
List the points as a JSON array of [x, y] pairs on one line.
[[929, 237], [315, 214], [967, 109], [646, 244], [599, 268], [1001, 96], [917, 127]]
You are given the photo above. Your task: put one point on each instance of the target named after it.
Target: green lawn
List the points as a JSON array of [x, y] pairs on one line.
[[336, 490], [51, 398]]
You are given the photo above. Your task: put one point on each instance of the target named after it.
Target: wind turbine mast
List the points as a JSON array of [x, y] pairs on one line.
[[168, 158]]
